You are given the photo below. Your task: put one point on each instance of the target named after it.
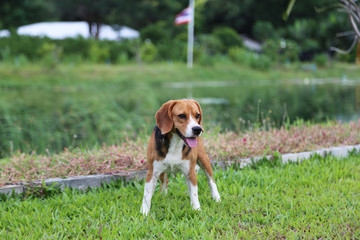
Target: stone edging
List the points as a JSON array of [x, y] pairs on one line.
[[91, 181]]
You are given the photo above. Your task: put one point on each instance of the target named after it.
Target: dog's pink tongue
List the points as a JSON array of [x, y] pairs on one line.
[[192, 142]]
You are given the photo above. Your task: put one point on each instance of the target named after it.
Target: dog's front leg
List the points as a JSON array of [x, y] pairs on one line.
[[205, 165], [191, 181]]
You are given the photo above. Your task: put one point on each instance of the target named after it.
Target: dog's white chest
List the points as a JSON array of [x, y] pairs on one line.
[[173, 161]]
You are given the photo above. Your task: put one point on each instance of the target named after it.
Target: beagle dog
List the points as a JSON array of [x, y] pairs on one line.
[[175, 145]]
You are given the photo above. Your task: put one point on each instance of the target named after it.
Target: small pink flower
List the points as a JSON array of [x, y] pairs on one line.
[[111, 154], [244, 139], [142, 161]]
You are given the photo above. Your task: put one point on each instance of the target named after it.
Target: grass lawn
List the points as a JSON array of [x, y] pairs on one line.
[[319, 198]]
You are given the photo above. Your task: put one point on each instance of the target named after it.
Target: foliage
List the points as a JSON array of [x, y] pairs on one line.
[[228, 38], [315, 199], [15, 13], [94, 13], [156, 33], [281, 51], [251, 59], [263, 31], [148, 52], [321, 60], [349, 58], [310, 26], [260, 62], [209, 43], [97, 54], [36, 48], [240, 55]]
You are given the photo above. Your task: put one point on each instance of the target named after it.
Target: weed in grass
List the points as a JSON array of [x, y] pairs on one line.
[[41, 190]]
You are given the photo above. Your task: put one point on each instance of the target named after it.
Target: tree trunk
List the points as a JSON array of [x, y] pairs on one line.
[[97, 33], [90, 29]]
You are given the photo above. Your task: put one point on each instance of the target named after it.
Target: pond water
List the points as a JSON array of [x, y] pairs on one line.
[[57, 115], [231, 103]]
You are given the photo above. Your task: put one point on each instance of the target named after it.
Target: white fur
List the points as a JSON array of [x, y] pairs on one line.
[[192, 123], [172, 163], [213, 189]]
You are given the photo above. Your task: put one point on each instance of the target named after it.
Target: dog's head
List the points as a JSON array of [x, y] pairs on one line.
[[182, 117]]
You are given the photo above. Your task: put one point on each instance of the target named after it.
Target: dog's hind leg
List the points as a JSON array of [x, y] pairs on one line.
[[150, 183], [164, 182]]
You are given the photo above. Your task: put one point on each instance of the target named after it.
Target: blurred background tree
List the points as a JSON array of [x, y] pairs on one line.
[[15, 13], [216, 23]]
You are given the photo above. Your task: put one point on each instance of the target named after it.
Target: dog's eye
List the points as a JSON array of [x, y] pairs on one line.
[[182, 116], [197, 116]]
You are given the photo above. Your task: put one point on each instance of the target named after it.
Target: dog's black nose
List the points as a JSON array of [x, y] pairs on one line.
[[197, 130]]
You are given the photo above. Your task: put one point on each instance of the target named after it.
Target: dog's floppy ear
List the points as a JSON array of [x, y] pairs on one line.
[[163, 117], [198, 105]]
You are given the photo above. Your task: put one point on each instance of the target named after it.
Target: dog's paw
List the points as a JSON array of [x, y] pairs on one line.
[[197, 208], [216, 197], [164, 190], [144, 210]]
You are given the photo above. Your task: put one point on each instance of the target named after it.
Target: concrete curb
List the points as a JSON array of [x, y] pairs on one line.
[[91, 181]]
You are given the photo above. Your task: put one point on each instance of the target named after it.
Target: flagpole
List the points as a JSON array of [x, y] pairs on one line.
[[191, 35]]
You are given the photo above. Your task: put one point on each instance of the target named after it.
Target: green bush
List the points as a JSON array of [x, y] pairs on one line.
[[271, 49], [50, 54], [23, 45], [173, 50], [98, 54], [209, 43], [21, 60], [291, 52], [70, 50], [281, 50], [260, 62], [148, 52], [75, 46], [321, 60], [157, 32], [350, 58], [204, 59], [123, 58], [239, 55], [5, 53], [228, 38], [263, 31]]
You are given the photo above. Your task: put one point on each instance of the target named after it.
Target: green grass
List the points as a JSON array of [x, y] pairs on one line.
[[35, 73], [319, 198]]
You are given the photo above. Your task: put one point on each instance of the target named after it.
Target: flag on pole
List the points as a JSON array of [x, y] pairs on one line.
[[183, 17], [187, 16]]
